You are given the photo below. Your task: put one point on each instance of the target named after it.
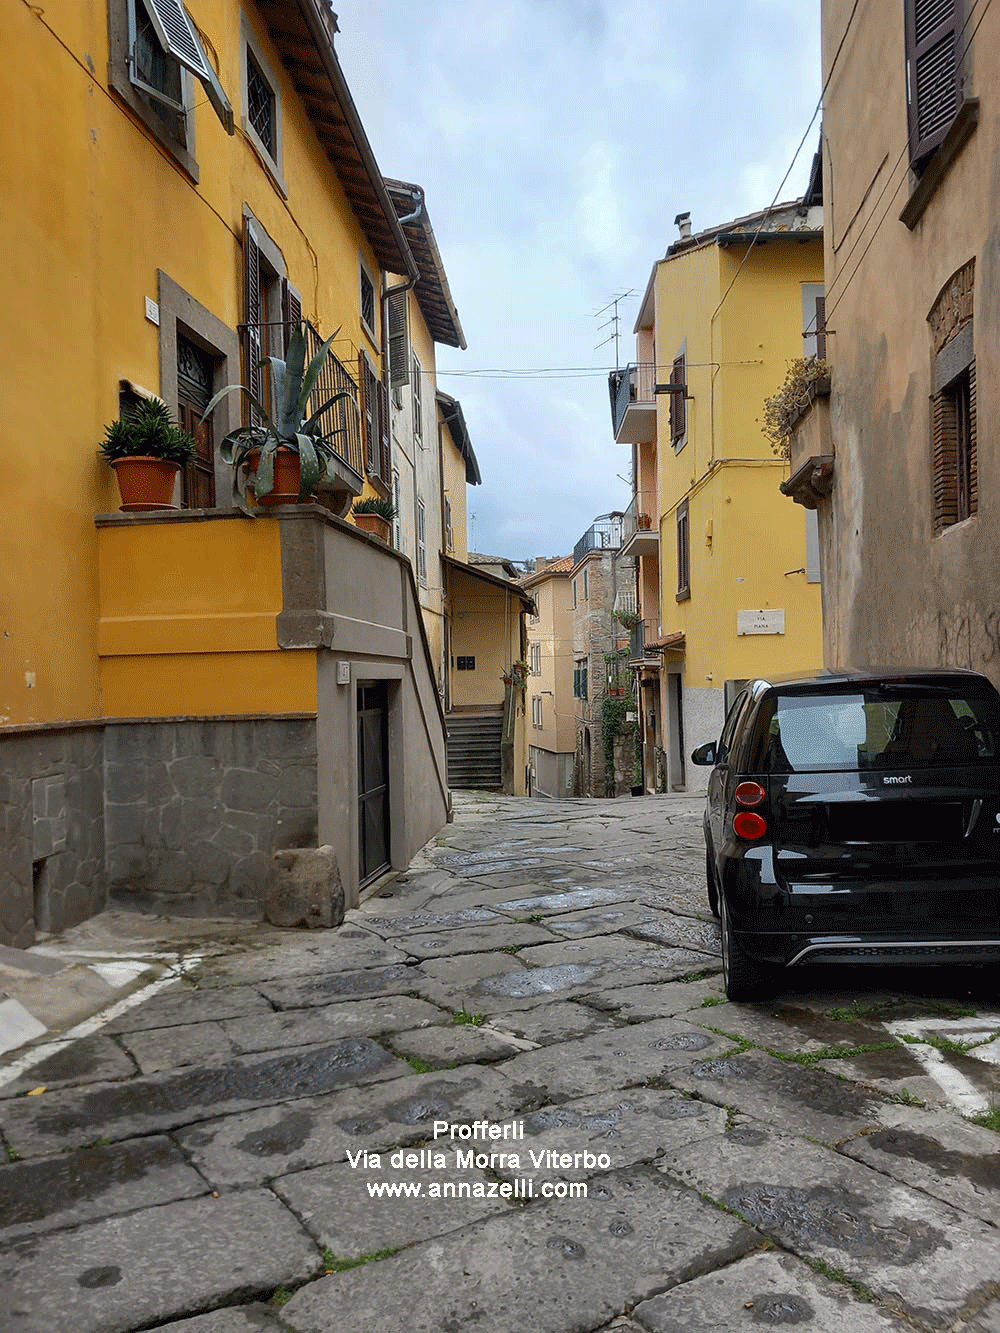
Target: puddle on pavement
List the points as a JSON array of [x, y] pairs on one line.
[[537, 981], [34, 1190], [563, 902], [780, 1307], [190, 1093], [981, 1171], [289, 1134], [418, 921], [297, 992], [830, 1217], [796, 1084]]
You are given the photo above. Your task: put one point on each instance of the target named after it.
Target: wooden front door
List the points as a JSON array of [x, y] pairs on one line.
[[373, 781]]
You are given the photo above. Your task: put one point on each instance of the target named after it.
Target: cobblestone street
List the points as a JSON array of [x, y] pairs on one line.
[[507, 1094]]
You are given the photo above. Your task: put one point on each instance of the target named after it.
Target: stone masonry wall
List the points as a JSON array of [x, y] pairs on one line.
[[196, 809], [52, 854]]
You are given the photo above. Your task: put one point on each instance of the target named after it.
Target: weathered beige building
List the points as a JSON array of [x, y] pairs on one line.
[[903, 461]]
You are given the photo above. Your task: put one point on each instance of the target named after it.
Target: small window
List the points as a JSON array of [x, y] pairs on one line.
[[574, 594], [465, 663], [448, 538], [536, 711], [262, 105], [397, 522], [580, 682], [535, 656], [956, 474], [683, 552], [368, 302], [813, 320], [422, 543], [418, 406], [586, 585]]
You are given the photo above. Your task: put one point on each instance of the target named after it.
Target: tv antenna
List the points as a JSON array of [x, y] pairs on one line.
[[613, 322]]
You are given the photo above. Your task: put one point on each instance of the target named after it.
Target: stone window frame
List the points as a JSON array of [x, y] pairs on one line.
[[954, 470], [120, 82], [179, 311], [249, 41]]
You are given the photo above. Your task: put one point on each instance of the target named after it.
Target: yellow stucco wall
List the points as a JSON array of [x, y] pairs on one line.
[[455, 492], [485, 624], [187, 627], [98, 207], [745, 536]]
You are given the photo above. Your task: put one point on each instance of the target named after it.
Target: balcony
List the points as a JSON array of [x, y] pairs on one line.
[[642, 632], [633, 404], [641, 526], [340, 424], [604, 534], [811, 452]]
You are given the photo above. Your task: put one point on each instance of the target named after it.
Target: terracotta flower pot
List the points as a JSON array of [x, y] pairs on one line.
[[145, 483], [644, 522], [287, 478], [375, 524]]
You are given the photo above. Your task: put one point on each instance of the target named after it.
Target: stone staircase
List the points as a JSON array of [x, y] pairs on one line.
[[474, 751]]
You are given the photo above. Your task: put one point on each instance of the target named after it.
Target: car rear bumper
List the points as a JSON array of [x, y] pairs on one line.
[[791, 950]]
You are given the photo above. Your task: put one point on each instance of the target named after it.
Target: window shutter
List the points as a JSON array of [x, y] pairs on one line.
[[384, 437], [944, 462], [291, 311], [399, 351], [177, 36], [973, 461], [678, 404], [934, 72], [253, 304], [369, 413]]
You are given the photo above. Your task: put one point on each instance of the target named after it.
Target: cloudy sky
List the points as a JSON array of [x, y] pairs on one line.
[[556, 141]]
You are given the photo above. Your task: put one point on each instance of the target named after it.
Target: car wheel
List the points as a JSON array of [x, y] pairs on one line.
[[742, 978], [713, 892]]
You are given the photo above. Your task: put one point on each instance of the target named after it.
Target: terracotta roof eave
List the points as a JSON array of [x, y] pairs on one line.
[[311, 60], [478, 573], [432, 291]]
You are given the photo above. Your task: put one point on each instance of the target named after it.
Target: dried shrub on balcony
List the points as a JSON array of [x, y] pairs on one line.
[[804, 379]]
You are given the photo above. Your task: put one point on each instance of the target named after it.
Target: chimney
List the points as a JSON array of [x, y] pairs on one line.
[[683, 223]]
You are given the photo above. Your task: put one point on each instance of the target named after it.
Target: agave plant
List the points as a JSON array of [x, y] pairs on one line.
[[147, 430], [376, 504], [293, 383]]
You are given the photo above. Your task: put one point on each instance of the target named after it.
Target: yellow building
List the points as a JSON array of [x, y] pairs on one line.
[[182, 693], [728, 577], [549, 709]]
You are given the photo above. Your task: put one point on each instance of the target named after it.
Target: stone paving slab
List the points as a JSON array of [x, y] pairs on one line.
[[892, 1073], [155, 1049], [784, 1025], [416, 923], [274, 1141], [475, 939], [790, 1096], [937, 1152], [127, 1272], [458, 1044], [554, 1022], [90, 1060], [319, 988], [53, 1192], [640, 1004], [185, 1004], [561, 1267], [913, 1252], [601, 921], [618, 1059], [335, 1204], [158, 1102], [567, 900], [242, 1319], [626, 1127], [678, 931], [304, 952], [466, 971], [766, 1290], [607, 952]]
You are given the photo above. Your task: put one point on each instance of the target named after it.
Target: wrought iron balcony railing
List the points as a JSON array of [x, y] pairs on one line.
[[641, 515], [641, 631], [604, 534], [634, 384], [340, 424]]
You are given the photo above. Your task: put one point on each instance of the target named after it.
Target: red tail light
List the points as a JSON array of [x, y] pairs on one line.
[[748, 825], [749, 793]]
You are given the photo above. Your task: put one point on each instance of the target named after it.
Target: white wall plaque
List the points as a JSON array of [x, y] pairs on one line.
[[760, 622]]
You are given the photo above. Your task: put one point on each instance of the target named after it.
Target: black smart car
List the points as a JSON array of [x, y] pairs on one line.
[[854, 816]]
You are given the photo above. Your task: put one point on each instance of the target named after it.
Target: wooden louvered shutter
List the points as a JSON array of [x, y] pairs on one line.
[[369, 413], [384, 436], [973, 468], [678, 403], [253, 305], [291, 311], [934, 37], [399, 351], [944, 462]]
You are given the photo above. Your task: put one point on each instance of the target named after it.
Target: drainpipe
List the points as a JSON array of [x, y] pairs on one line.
[[417, 195]]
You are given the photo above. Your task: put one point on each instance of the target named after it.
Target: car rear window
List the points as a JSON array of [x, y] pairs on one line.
[[881, 726]]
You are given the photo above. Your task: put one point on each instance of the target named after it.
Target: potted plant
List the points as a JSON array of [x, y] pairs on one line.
[[281, 460], [644, 522], [374, 514], [147, 449]]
